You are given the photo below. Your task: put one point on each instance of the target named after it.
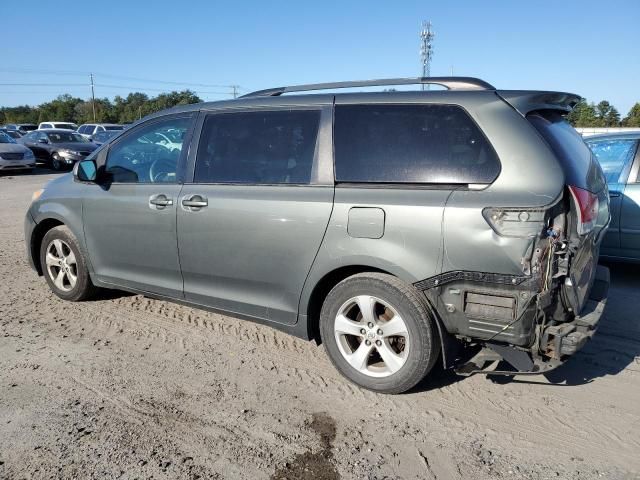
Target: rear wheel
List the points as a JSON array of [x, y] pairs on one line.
[[64, 266], [378, 332]]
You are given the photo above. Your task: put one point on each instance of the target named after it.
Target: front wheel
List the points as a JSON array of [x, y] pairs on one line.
[[56, 163], [64, 266], [378, 332]]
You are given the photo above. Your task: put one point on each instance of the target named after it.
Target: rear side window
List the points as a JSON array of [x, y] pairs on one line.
[[271, 147], [579, 166], [411, 144]]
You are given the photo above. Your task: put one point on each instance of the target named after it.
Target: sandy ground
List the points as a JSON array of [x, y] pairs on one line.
[[129, 387]]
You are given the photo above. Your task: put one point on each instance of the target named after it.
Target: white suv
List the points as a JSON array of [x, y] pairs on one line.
[[58, 125], [88, 130]]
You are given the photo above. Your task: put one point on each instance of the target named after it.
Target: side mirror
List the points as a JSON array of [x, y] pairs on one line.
[[85, 171], [43, 140]]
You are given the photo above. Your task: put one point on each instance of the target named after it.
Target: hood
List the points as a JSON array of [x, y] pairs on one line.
[[12, 148], [78, 147]]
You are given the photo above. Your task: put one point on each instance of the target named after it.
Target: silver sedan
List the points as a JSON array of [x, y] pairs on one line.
[[14, 156]]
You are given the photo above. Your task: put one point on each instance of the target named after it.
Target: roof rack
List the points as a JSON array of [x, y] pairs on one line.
[[451, 83]]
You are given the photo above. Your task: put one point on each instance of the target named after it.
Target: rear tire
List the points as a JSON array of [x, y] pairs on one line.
[[64, 265], [378, 332]]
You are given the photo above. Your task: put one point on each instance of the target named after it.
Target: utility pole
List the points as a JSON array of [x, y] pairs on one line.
[[235, 91], [93, 98], [426, 49]]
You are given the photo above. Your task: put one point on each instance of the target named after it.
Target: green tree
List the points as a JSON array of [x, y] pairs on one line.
[[607, 115], [583, 115], [633, 117]]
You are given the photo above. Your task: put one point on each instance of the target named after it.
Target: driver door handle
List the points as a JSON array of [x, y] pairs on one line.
[[195, 201], [160, 201]]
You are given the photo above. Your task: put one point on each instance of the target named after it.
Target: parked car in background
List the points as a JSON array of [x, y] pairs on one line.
[[57, 125], [102, 137], [21, 127], [14, 156], [12, 133], [90, 129], [619, 156], [58, 148], [399, 228]]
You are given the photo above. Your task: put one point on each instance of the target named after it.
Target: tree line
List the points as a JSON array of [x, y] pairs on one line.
[[136, 105], [66, 108], [602, 114]]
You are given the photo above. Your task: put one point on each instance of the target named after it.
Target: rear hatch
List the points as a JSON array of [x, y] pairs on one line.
[[586, 189]]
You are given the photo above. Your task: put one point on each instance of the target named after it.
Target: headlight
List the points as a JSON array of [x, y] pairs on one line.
[[64, 152], [36, 194], [28, 154]]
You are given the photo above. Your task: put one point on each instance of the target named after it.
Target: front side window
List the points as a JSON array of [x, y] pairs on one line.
[[150, 154], [262, 147], [613, 155], [45, 125], [431, 144]]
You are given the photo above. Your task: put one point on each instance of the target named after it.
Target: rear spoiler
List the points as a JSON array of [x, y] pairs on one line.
[[526, 101]]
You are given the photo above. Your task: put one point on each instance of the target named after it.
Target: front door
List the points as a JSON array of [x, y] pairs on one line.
[[130, 217], [615, 156], [251, 223]]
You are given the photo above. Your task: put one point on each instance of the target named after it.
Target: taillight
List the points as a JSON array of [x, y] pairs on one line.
[[587, 206], [516, 222]]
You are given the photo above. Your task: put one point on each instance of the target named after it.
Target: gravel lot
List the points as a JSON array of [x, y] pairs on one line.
[[129, 387]]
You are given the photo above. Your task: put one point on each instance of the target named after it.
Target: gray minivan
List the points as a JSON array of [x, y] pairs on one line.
[[397, 228]]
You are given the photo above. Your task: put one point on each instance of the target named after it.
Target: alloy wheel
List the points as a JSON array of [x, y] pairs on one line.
[[61, 265], [371, 336]]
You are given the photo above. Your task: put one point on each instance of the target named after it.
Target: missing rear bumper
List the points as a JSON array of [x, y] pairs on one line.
[[556, 342]]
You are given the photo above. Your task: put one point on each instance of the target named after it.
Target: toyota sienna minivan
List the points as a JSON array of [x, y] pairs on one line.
[[400, 229]]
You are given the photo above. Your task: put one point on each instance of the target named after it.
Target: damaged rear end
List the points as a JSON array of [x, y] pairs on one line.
[[537, 314]]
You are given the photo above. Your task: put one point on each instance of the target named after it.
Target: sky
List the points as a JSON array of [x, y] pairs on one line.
[[586, 47]]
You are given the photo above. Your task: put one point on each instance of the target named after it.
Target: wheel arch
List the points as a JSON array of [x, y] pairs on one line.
[[37, 235], [322, 288], [311, 310]]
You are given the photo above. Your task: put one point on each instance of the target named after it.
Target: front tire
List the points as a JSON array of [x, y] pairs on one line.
[[64, 265], [56, 163], [378, 332]]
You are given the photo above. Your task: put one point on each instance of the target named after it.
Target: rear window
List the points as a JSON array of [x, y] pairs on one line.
[[579, 166], [411, 144]]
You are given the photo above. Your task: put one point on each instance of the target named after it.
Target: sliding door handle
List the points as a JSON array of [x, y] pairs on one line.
[[195, 202]]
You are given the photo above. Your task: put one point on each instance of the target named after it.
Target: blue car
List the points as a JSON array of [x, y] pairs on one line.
[[619, 157]]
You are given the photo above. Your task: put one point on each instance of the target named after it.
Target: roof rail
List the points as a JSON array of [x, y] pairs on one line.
[[451, 83]]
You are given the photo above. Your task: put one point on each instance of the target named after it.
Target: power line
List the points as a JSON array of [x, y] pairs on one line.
[[109, 75]]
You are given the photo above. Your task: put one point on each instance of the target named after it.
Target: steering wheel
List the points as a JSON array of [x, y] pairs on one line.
[[161, 169]]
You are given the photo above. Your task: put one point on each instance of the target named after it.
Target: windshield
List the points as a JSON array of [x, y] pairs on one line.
[[4, 138], [69, 126], [114, 127], [66, 137], [102, 136]]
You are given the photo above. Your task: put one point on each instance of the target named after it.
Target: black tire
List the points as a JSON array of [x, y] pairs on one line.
[[423, 341], [56, 163], [83, 288]]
